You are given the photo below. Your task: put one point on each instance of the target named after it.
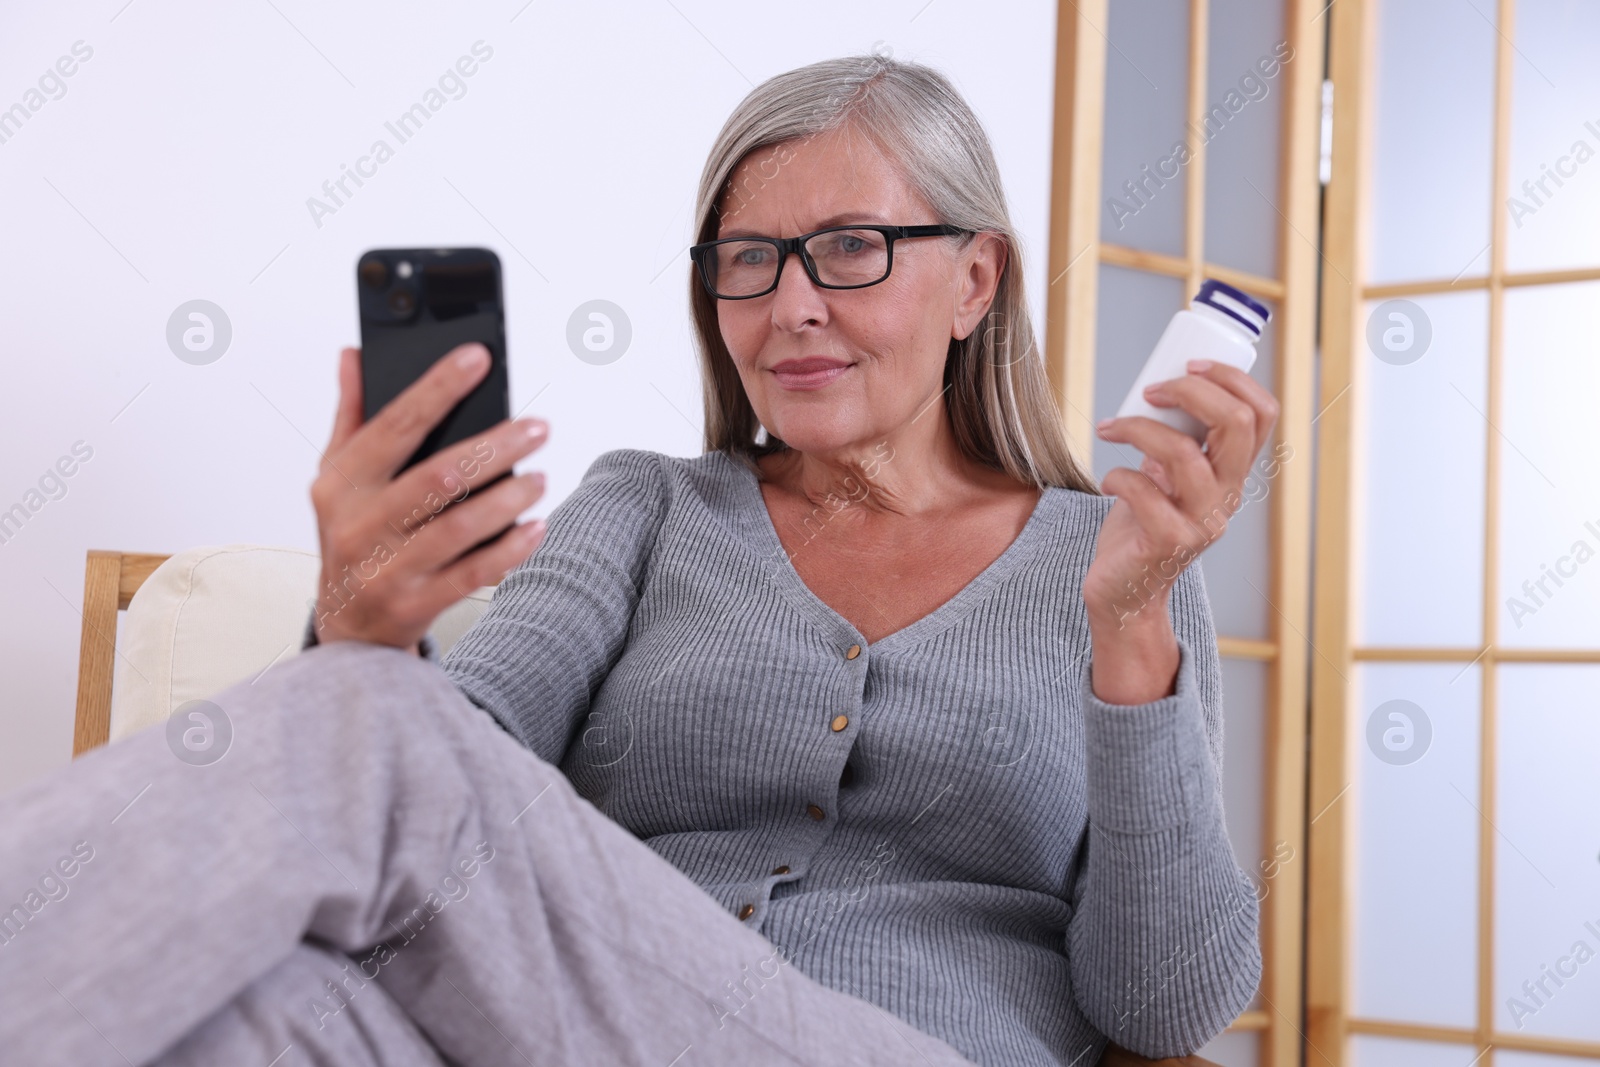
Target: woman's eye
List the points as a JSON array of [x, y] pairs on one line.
[[750, 257], [844, 244]]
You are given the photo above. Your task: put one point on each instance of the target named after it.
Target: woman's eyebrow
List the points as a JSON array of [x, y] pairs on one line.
[[832, 220]]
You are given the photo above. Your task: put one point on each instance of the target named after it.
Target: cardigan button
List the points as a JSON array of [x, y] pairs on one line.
[[781, 869], [746, 911], [840, 722], [816, 812], [852, 652]]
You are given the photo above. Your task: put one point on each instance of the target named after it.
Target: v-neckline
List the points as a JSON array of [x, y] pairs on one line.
[[768, 545]]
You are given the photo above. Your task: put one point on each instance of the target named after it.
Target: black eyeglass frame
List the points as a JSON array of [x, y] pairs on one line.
[[701, 254]]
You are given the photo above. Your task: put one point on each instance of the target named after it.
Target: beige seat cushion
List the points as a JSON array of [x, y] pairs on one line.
[[212, 616]]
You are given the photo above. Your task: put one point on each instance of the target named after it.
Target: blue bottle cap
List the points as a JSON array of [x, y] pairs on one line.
[[1248, 312]]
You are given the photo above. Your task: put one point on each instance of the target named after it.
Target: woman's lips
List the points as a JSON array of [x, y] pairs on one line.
[[816, 378]]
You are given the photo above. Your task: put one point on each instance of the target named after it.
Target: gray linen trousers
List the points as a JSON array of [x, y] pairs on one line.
[[374, 872]]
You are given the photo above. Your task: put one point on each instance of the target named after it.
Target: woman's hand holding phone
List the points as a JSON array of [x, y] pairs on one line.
[[392, 555]]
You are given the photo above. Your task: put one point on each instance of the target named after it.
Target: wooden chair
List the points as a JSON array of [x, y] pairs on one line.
[[109, 581], [1116, 1056], [111, 578]]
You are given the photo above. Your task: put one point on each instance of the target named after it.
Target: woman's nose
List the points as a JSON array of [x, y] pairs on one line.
[[797, 300]]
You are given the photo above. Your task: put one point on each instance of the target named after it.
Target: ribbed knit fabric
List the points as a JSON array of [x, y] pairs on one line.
[[1013, 866]]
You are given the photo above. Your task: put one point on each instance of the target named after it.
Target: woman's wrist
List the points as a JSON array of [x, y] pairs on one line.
[[311, 639], [1133, 659]]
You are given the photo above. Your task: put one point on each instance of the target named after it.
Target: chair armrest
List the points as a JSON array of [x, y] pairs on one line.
[[1117, 1056]]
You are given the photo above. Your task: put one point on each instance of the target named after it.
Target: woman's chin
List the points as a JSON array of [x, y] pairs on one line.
[[820, 439]]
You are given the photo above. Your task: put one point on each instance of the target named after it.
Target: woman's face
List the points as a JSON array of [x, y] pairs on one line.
[[886, 343]]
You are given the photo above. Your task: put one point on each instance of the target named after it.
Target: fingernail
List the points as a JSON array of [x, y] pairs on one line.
[[532, 428], [1103, 423], [1152, 390], [472, 357], [1200, 365]]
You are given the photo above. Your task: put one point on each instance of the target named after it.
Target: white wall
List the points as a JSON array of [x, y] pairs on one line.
[[177, 164]]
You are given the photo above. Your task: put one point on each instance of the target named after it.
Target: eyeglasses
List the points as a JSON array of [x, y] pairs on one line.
[[839, 257]]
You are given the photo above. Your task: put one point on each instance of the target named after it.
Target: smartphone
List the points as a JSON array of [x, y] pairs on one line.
[[416, 305]]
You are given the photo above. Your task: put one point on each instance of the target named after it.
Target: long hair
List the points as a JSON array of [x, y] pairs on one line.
[[1000, 408]]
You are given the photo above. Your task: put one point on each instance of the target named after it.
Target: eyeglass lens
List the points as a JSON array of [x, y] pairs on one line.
[[842, 257]]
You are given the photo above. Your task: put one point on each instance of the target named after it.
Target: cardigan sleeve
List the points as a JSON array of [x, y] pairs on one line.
[[559, 621], [1163, 942]]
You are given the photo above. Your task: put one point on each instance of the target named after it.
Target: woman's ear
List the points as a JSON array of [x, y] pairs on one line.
[[984, 261]]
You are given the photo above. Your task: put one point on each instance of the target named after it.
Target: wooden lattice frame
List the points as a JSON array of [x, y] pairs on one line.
[[1070, 300], [1345, 291]]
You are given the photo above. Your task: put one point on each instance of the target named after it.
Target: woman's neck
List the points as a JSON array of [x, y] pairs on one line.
[[917, 472]]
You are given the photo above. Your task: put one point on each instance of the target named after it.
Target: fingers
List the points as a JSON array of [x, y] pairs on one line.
[[1158, 475], [446, 486], [476, 462], [1230, 422], [1239, 415], [412, 539], [1187, 469], [1246, 388], [438, 539], [1154, 510], [1237, 410], [484, 567], [347, 418], [378, 449]]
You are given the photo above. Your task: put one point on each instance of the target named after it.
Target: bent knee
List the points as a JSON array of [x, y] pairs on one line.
[[356, 686], [316, 1006]]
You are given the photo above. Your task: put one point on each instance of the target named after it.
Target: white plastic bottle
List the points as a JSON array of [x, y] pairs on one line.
[[1221, 324]]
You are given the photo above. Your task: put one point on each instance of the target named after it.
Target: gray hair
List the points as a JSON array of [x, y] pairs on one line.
[[1001, 409]]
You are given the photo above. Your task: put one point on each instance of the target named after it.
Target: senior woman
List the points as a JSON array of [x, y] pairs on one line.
[[875, 734]]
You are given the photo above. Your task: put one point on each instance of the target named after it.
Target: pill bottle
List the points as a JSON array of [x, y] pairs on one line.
[[1222, 324]]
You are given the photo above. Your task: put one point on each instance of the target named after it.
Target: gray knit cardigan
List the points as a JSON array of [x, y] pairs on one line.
[[947, 822]]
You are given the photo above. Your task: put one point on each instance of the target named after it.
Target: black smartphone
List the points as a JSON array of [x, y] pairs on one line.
[[416, 305]]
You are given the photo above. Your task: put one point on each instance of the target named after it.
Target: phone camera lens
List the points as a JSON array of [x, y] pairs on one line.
[[374, 275], [401, 302]]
